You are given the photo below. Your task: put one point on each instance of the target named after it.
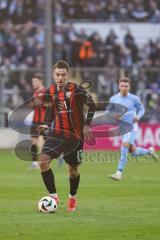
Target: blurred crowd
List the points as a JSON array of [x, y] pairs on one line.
[[111, 10], [21, 11], [80, 49], [22, 36], [22, 48]]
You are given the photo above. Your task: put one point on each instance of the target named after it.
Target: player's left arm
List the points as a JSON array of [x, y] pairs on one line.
[[91, 109], [88, 100], [140, 109]]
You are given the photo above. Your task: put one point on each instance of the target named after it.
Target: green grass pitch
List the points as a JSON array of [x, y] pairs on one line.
[[126, 210]]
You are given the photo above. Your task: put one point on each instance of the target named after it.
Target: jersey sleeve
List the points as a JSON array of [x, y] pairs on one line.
[[91, 110], [88, 100]]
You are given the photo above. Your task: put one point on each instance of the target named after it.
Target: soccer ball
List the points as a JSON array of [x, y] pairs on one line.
[[47, 205]]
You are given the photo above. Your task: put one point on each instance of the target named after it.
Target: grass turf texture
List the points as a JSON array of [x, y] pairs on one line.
[[126, 210]]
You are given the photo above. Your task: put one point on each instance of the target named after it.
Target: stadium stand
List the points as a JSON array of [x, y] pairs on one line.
[[110, 10]]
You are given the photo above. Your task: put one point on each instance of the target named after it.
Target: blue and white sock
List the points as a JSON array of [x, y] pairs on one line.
[[140, 152], [123, 158]]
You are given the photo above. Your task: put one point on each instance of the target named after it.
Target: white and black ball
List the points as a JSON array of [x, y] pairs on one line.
[[47, 205]]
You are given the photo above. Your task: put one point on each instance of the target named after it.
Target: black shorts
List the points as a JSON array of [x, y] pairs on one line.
[[71, 148]]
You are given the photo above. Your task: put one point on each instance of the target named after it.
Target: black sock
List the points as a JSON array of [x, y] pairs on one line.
[[48, 179], [34, 150], [74, 183]]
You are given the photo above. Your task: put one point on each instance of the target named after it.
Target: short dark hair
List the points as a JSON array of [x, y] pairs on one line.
[[40, 76], [61, 64], [125, 79]]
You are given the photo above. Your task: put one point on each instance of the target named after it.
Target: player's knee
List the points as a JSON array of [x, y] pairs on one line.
[[44, 161], [132, 149], [73, 172], [44, 166]]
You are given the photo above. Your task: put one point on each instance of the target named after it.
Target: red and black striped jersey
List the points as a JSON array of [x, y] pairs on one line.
[[39, 112], [67, 109]]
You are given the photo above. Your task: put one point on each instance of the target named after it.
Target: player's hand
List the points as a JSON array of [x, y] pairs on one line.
[[41, 129], [136, 119], [87, 133]]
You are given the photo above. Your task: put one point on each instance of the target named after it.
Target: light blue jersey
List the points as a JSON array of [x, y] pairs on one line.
[[134, 108], [132, 103]]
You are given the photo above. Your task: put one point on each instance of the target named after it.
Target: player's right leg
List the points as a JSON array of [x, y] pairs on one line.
[[48, 176], [51, 149], [122, 162], [128, 139]]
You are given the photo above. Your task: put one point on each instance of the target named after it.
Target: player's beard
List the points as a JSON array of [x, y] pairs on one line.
[[61, 86]]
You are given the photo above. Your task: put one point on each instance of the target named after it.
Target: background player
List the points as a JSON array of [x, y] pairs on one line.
[[70, 128], [38, 117], [132, 116]]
